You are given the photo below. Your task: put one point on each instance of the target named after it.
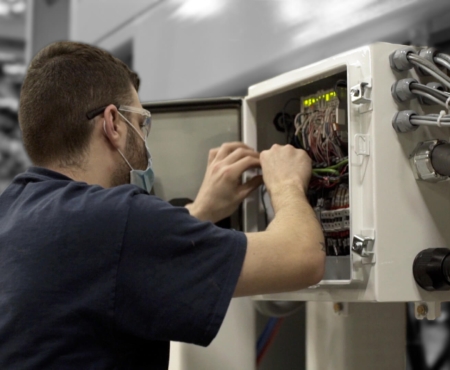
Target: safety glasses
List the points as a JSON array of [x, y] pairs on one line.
[[145, 125]]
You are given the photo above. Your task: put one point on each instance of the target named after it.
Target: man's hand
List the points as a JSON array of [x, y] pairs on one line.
[[285, 167], [222, 190]]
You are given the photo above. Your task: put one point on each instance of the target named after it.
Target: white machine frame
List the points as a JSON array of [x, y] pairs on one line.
[[394, 216]]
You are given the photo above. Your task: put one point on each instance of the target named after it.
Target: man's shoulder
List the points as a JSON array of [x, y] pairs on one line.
[[53, 190]]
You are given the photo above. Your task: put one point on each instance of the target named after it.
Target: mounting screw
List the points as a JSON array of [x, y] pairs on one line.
[[355, 92], [358, 247], [338, 307], [422, 310]]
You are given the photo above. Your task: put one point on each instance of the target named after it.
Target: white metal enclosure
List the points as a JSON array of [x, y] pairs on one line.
[[387, 204]]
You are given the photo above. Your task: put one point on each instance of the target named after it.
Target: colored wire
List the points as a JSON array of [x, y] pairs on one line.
[[265, 335], [340, 164], [269, 342], [325, 170]]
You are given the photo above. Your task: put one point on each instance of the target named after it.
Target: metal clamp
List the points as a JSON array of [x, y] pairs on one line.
[[361, 245], [360, 93], [421, 162]]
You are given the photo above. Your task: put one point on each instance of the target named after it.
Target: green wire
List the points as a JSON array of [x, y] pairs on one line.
[[340, 164], [325, 170], [331, 169]]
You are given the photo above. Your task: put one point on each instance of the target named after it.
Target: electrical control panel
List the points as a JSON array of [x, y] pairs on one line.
[[376, 212]]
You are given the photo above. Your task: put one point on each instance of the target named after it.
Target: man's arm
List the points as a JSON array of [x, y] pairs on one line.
[[289, 255]]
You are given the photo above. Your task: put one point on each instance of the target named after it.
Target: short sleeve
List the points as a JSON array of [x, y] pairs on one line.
[[176, 274]]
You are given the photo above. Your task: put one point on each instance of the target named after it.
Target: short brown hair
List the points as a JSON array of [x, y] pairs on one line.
[[64, 81]]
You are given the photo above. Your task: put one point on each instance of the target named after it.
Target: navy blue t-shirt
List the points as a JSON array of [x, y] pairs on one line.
[[94, 278]]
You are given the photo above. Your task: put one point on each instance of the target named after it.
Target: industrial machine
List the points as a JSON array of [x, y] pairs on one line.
[[377, 183], [375, 123]]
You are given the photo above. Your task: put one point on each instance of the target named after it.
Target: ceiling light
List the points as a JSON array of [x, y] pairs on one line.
[[4, 9], [198, 9], [18, 7]]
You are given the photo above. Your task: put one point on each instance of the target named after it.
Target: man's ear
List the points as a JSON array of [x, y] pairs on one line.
[[115, 132]]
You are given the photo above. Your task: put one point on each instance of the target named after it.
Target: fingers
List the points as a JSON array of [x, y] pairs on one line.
[[212, 155], [228, 148], [238, 154], [236, 169], [249, 186]]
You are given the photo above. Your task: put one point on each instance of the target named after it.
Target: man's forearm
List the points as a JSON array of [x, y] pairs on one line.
[[296, 224]]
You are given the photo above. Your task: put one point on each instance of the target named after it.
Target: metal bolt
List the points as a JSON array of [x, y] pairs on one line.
[[358, 246], [422, 310], [354, 92], [338, 307]]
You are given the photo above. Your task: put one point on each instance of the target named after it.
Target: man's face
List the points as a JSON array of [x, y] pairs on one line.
[[135, 151]]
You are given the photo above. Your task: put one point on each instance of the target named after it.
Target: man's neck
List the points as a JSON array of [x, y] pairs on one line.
[[89, 177]]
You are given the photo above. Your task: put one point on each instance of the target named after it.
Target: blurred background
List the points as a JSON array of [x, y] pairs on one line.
[[185, 49]]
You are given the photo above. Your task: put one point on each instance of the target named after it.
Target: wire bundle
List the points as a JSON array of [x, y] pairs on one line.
[[406, 121], [437, 96], [440, 120], [316, 130], [315, 133], [267, 337], [432, 68]]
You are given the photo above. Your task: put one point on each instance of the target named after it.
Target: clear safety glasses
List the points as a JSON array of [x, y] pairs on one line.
[[145, 124]]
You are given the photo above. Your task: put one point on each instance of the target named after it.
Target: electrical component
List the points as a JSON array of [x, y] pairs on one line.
[[399, 59], [423, 163], [401, 90], [431, 269], [409, 88], [401, 122], [428, 54], [320, 128]]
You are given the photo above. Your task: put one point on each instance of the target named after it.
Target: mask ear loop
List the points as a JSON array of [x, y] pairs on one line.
[[134, 128], [128, 163]]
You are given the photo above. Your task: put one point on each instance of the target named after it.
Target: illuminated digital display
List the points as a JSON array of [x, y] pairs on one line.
[[327, 97]]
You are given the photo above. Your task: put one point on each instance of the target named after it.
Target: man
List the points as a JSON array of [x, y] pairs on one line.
[[95, 272]]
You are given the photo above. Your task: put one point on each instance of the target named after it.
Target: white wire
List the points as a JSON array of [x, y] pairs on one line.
[[419, 122], [425, 65], [430, 90], [429, 66], [442, 62], [438, 121], [431, 117], [428, 96], [444, 56]]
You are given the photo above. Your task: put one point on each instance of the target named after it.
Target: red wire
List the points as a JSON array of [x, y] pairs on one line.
[[269, 341]]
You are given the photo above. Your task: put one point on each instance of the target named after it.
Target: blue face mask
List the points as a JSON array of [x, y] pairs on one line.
[[141, 178]]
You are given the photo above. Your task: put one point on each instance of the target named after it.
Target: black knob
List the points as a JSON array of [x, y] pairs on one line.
[[431, 269]]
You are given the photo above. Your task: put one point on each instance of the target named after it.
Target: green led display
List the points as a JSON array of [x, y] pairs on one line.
[[327, 97]]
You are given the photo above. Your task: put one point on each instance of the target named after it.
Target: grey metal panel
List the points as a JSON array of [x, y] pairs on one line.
[[182, 134]]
